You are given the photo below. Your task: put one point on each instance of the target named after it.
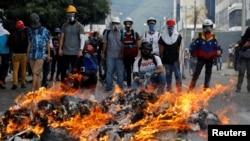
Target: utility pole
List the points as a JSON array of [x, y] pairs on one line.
[[243, 18]]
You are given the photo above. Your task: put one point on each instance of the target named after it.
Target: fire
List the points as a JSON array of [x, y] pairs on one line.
[[169, 113]]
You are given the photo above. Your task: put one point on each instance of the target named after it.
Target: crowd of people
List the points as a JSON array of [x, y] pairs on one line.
[[117, 55]]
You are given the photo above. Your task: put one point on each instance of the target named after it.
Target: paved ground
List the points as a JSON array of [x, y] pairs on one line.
[[240, 101]]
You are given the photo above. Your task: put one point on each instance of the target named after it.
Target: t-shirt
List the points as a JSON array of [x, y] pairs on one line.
[[146, 65], [153, 39]]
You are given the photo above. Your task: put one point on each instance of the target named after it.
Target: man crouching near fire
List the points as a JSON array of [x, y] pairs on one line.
[[84, 74], [148, 70]]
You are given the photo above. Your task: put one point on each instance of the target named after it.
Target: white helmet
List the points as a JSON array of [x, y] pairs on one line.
[[115, 20], [207, 22], [128, 19], [151, 19]]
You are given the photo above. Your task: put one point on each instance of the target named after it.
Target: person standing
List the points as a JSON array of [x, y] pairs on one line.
[[38, 43], [112, 53], [219, 58], [71, 41], [152, 35], [244, 60], [130, 48], [18, 43], [4, 55], [56, 58], [205, 49], [170, 47]]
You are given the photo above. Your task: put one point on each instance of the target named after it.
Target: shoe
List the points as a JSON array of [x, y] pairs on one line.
[[102, 82], [107, 90], [237, 90], [23, 86], [14, 87]]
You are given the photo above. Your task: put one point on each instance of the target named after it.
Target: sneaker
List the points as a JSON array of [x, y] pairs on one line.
[[14, 87], [107, 90], [23, 86]]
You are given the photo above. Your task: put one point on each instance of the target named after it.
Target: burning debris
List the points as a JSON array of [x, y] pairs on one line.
[[48, 115]]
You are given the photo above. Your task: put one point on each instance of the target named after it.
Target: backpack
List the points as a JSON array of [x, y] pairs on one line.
[[139, 62], [123, 34]]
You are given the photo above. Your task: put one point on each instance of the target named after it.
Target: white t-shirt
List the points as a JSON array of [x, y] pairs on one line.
[[146, 65], [153, 39]]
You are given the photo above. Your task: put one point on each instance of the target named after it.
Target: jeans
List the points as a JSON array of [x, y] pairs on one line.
[[46, 70], [128, 64], [208, 71], [19, 62], [170, 69], [244, 66], [219, 63], [157, 81], [114, 66]]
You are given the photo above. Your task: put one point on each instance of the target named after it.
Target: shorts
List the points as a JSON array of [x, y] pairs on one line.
[[36, 66]]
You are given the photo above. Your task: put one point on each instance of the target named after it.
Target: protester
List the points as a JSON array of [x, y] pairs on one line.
[[170, 48], [244, 61], [87, 66], [71, 42], [47, 64], [18, 43], [4, 55], [56, 59], [205, 49], [148, 70], [219, 59], [39, 42], [152, 35], [112, 53], [130, 48]]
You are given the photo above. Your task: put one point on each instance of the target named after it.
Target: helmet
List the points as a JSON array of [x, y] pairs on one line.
[[71, 9], [128, 19], [170, 22], [146, 45], [19, 24], [151, 20], [115, 20], [89, 48], [57, 30], [207, 22]]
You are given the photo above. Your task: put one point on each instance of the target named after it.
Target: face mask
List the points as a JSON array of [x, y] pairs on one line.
[[170, 31], [207, 29], [115, 27], [146, 53], [127, 27], [71, 17], [151, 28]]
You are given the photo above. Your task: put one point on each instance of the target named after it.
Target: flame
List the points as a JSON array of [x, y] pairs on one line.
[[159, 118]]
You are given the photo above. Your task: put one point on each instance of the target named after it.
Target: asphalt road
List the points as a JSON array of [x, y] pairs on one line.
[[239, 114]]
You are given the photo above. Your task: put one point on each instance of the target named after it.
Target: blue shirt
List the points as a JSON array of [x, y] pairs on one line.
[[4, 49], [38, 38]]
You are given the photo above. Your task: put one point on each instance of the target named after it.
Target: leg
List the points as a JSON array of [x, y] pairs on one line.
[[177, 73], [119, 68], [208, 72], [23, 67], [110, 71], [169, 72], [241, 74], [198, 68], [15, 65]]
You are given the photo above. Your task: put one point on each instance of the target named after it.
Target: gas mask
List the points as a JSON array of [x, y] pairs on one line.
[[145, 53], [207, 29], [115, 27], [151, 28], [170, 30], [71, 17]]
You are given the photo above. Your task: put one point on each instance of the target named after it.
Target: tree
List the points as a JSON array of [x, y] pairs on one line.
[[52, 12], [197, 16]]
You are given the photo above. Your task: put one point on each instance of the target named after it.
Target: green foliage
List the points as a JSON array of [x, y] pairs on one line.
[[52, 12]]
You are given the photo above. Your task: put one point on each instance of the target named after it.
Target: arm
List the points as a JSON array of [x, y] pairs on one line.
[[61, 44], [82, 43], [48, 49], [138, 42]]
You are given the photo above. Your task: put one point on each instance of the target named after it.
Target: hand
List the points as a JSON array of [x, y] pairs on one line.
[[103, 56], [79, 53], [60, 52]]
